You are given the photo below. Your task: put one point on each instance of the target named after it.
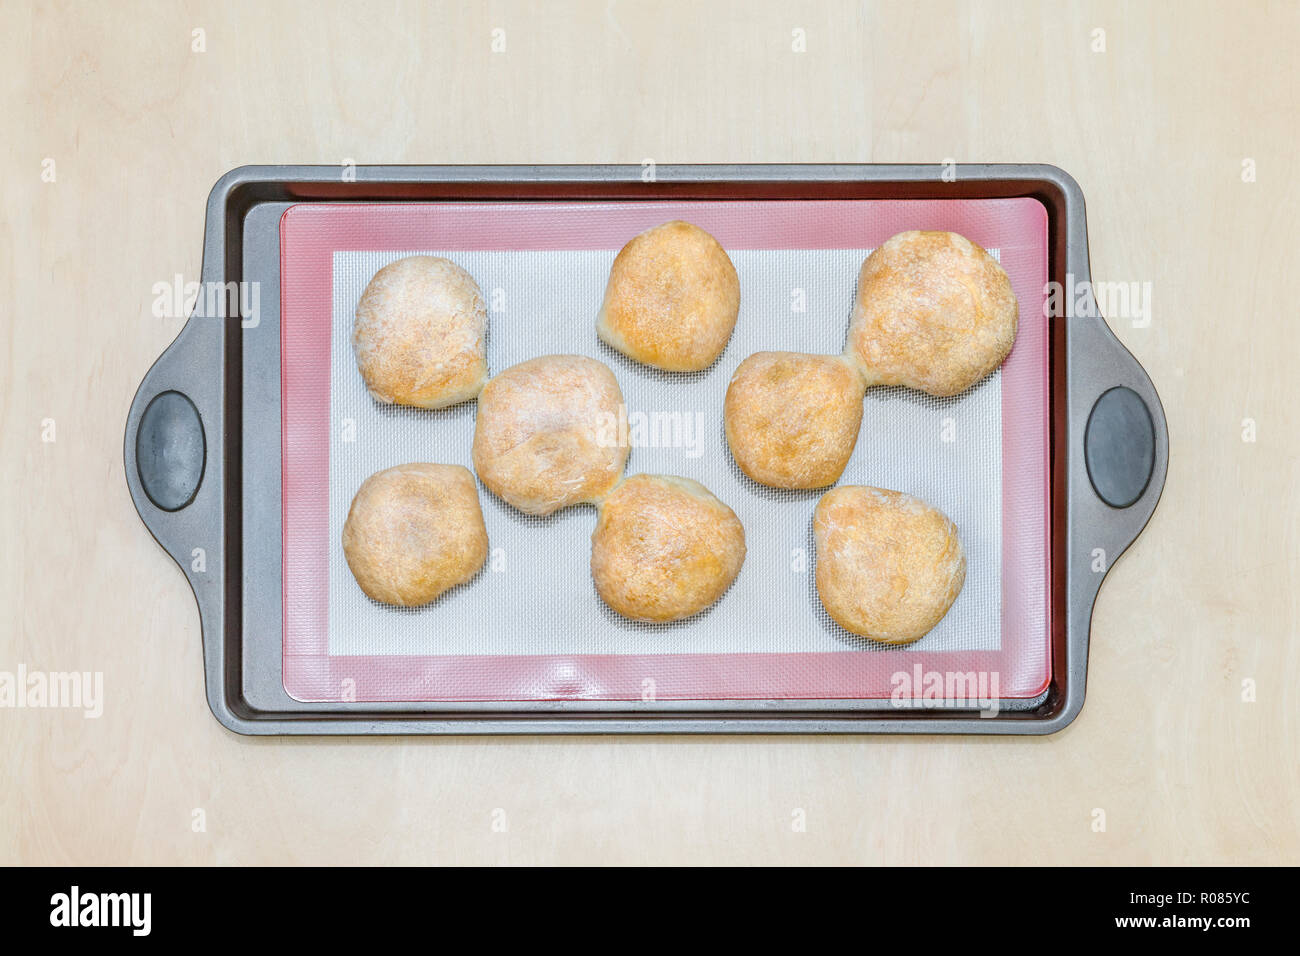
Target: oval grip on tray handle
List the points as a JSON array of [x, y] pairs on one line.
[[1119, 443], [170, 451], [1119, 446]]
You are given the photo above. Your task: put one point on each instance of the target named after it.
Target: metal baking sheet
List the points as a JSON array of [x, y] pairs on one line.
[[232, 377]]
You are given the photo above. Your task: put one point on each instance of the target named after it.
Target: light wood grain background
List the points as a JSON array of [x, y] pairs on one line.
[[1156, 129]]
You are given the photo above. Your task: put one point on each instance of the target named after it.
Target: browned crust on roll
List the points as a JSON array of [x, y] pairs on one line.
[[792, 419], [934, 312], [545, 438], [413, 532], [672, 299], [889, 566], [420, 335], [664, 548]]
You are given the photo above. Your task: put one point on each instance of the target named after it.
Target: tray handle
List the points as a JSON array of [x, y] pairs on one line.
[[1112, 441], [1119, 445], [1116, 460], [173, 457]]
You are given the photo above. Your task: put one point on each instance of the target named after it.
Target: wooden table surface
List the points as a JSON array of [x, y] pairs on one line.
[[1178, 122]]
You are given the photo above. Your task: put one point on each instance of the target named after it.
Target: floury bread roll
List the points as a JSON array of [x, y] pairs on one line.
[[413, 532], [889, 566], [543, 438], [792, 419], [664, 548], [934, 312], [672, 299], [420, 334]]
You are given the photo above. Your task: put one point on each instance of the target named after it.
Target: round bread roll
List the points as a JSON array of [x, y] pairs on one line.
[[413, 532], [934, 312], [664, 548], [546, 435], [420, 334], [792, 419], [672, 299], [888, 565]]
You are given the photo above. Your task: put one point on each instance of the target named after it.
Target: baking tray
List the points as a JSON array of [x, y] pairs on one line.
[[203, 449]]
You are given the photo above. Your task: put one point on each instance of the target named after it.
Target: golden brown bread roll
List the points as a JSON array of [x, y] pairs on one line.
[[543, 438], [672, 299], [888, 565], [934, 312], [664, 548], [792, 419], [420, 334], [413, 532]]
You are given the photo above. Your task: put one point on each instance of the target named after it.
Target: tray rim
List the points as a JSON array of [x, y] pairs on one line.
[[1091, 355]]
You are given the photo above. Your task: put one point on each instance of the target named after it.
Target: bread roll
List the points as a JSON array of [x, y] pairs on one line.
[[546, 435], [413, 532], [792, 419], [934, 312], [664, 548], [888, 565], [420, 334], [672, 299]]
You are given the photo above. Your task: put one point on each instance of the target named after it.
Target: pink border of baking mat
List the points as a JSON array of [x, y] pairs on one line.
[[311, 233]]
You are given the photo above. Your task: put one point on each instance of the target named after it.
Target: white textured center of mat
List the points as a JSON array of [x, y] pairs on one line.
[[536, 595]]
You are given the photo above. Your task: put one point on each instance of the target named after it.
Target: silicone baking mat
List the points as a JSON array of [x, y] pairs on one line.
[[530, 626]]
